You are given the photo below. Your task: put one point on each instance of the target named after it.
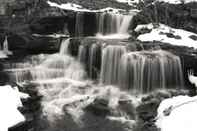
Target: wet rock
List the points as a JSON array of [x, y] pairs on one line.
[[99, 107], [193, 37]]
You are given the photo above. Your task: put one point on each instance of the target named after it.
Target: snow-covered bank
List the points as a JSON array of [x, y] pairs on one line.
[[166, 34], [129, 2], [79, 8], [177, 1], [178, 114], [10, 100]]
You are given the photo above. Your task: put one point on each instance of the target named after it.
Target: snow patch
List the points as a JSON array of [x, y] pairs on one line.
[[79, 8], [182, 116], [177, 37], [129, 2], [68, 6], [177, 1], [10, 100]]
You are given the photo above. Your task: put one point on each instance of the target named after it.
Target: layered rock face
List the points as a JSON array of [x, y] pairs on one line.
[[20, 19], [182, 16]]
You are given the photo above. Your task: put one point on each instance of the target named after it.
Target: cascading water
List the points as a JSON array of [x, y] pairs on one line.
[[5, 47], [61, 79], [64, 47], [113, 25], [141, 71], [79, 25], [111, 56], [90, 56], [146, 71], [108, 25], [4, 51]]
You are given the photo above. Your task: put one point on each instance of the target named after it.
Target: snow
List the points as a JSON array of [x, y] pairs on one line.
[[182, 117], [158, 34], [147, 26], [177, 1], [129, 2], [192, 78], [10, 101], [68, 6], [79, 8]]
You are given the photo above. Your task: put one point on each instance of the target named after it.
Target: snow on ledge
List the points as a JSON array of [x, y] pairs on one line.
[[181, 117], [129, 2], [10, 100], [68, 6], [79, 8], [177, 1], [160, 32]]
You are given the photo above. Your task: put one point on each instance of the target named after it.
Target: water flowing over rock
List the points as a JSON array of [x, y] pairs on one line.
[[90, 56], [111, 63], [113, 23], [64, 46], [79, 25], [116, 25], [141, 71], [148, 70], [102, 24]]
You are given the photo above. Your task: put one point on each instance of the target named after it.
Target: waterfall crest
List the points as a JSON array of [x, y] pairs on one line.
[[113, 25]]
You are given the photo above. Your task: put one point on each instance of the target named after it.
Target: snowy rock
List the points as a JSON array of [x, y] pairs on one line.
[[181, 114], [177, 1], [10, 101], [166, 34]]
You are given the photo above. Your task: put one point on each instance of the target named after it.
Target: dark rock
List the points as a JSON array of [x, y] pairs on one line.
[[181, 16], [48, 25], [99, 107], [193, 37]]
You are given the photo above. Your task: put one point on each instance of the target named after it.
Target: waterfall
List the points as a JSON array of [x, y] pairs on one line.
[[108, 23], [141, 71], [124, 26], [4, 51], [113, 25], [5, 47], [111, 56], [58, 66], [149, 70], [64, 47], [79, 25], [90, 56]]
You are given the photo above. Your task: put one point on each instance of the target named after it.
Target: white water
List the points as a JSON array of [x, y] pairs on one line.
[[110, 68], [64, 47], [150, 70], [4, 51], [90, 57], [113, 26], [141, 71]]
